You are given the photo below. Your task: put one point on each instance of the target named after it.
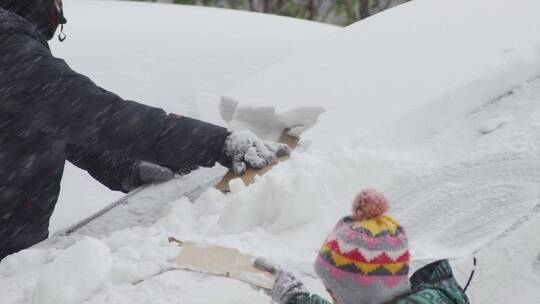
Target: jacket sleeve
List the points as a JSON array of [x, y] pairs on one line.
[[434, 283], [109, 169], [52, 97]]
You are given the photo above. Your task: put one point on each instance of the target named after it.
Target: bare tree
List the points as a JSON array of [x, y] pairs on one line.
[[339, 12], [363, 9], [266, 6], [280, 4], [311, 9]]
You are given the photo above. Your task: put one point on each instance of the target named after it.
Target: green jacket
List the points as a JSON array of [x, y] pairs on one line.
[[431, 284]]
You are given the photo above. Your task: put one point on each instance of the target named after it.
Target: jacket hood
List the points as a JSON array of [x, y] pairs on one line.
[[41, 13]]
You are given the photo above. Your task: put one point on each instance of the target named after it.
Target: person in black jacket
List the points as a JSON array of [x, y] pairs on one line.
[[49, 113]]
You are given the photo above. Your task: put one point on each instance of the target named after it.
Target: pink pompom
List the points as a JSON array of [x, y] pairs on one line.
[[369, 203]]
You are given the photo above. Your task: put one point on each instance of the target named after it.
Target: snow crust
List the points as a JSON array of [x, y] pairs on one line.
[[180, 58], [401, 75]]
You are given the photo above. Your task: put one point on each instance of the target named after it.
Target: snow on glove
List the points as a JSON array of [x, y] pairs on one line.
[[145, 173], [247, 150], [287, 285]]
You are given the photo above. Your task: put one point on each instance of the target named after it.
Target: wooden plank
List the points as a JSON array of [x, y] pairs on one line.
[[221, 261]]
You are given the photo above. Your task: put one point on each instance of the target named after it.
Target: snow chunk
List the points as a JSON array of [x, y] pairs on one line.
[[75, 275], [302, 190], [265, 122], [139, 253], [25, 260], [227, 107], [236, 185]]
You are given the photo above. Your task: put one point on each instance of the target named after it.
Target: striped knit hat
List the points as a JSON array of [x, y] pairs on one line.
[[365, 260]]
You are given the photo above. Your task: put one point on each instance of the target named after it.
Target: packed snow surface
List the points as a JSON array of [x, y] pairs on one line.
[[465, 184], [180, 58]]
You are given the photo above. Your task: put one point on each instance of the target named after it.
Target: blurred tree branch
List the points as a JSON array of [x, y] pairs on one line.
[[339, 12]]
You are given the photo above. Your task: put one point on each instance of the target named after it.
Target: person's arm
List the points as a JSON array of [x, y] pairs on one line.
[[109, 169], [117, 172], [51, 96]]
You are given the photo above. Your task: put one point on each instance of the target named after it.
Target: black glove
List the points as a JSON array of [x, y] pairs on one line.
[[287, 286], [145, 173]]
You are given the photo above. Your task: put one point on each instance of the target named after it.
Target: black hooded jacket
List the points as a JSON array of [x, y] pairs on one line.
[[49, 113], [43, 14]]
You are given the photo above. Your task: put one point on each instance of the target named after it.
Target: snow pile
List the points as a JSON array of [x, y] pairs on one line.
[[397, 77], [180, 58], [87, 268], [75, 274], [444, 175], [481, 184]]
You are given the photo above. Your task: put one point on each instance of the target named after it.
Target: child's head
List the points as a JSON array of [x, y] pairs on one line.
[[365, 259]]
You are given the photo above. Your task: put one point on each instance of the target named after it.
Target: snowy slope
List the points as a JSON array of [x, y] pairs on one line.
[[180, 58], [398, 76]]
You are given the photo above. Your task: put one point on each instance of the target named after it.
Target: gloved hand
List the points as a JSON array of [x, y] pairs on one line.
[[287, 285], [247, 150], [145, 173]]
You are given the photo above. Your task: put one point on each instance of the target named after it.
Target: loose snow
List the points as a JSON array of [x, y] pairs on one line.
[[465, 183], [265, 122], [75, 274]]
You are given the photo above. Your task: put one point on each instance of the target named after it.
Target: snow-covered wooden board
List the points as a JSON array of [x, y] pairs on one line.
[[141, 207], [221, 261], [251, 174]]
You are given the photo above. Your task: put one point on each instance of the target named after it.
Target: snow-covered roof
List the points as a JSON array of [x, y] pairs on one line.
[[398, 76], [177, 57], [467, 183]]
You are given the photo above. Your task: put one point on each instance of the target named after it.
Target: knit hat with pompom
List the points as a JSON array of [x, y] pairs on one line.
[[365, 259]]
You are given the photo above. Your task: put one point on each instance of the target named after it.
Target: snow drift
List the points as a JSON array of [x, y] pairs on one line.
[[399, 76]]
